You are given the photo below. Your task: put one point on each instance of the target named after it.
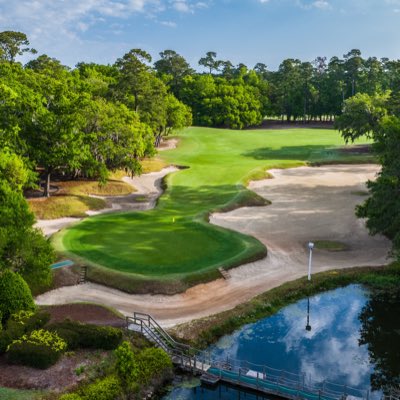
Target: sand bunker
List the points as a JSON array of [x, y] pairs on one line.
[[307, 204]]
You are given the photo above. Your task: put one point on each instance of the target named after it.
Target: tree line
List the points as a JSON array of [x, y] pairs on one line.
[[84, 121], [238, 96]]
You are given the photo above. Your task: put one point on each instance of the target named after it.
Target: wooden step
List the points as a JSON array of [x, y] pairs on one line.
[[83, 274], [225, 274]]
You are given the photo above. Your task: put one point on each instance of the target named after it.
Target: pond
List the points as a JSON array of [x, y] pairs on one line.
[[347, 336]]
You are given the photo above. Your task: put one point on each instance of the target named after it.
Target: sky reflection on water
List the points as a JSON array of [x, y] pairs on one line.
[[329, 351]]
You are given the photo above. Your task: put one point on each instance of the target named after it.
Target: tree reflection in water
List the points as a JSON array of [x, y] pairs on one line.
[[380, 331]]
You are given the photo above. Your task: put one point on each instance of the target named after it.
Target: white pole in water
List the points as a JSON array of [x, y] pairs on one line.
[[310, 246]]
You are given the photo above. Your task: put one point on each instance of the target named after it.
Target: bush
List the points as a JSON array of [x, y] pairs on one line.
[[32, 355], [126, 366], [108, 388], [26, 321], [79, 335], [19, 324], [70, 396], [153, 363], [15, 295], [71, 337], [5, 340], [39, 349]]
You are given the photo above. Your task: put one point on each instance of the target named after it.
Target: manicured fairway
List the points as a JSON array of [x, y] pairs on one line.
[[174, 241]]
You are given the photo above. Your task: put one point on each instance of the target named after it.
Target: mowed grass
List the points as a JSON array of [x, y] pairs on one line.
[[175, 241], [16, 394]]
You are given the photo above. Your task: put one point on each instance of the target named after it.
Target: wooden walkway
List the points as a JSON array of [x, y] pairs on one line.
[[244, 374]]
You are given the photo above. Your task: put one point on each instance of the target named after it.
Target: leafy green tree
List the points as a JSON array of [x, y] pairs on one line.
[[290, 89], [154, 364], [227, 69], [13, 44], [133, 82], [14, 295], [366, 115], [54, 132], [23, 249], [173, 67], [14, 170], [362, 115], [216, 101], [353, 66], [115, 137], [261, 69], [382, 208], [141, 90], [127, 367], [210, 61], [97, 79]]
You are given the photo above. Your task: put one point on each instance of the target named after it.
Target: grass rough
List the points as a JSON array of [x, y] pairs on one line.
[[73, 198]]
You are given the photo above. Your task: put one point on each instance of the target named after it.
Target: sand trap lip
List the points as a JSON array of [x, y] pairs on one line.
[[307, 204]]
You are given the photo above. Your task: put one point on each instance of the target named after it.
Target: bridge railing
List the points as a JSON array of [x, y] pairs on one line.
[[283, 380], [146, 321], [391, 393]]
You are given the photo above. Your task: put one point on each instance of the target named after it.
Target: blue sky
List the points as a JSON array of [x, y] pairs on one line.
[[247, 31]]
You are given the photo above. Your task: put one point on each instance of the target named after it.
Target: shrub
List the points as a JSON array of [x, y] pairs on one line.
[[78, 335], [39, 349], [15, 295], [108, 388], [26, 321], [72, 338], [153, 363], [19, 324], [5, 340], [32, 355], [126, 366], [70, 396]]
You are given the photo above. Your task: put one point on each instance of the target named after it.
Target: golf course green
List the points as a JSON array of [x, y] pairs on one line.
[[174, 244]]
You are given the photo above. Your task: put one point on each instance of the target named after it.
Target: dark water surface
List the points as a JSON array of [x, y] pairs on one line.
[[347, 336]]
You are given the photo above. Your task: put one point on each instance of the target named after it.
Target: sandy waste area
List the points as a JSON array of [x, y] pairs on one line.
[[308, 203]]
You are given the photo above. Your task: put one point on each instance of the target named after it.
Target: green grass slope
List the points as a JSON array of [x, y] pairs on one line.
[[173, 246], [15, 394]]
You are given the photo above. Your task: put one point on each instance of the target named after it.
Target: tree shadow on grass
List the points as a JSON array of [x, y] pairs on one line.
[[295, 153]]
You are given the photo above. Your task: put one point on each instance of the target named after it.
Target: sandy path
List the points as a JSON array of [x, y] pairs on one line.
[[148, 189], [307, 204]]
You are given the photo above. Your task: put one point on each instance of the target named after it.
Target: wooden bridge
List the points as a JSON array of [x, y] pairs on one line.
[[244, 374]]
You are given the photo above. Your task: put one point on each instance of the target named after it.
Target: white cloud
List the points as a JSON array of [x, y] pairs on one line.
[[185, 6], [322, 4], [169, 24], [319, 4], [57, 26], [181, 6]]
